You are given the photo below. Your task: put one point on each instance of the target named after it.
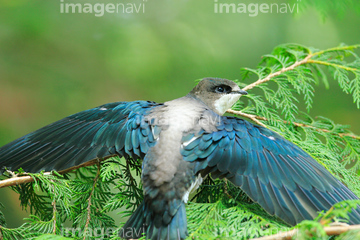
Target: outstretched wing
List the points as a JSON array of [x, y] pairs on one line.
[[98, 133], [274, 172]]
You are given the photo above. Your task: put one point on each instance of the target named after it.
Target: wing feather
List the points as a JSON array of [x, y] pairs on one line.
[[115, 128], [281, 177]]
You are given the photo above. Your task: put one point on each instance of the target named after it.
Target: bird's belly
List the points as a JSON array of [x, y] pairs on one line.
[[165, 170]]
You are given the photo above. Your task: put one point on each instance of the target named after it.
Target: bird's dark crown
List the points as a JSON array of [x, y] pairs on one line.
[[214, 85]]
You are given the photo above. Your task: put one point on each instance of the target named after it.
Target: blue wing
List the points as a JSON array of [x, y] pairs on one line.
[[282, 178], [98, 133]]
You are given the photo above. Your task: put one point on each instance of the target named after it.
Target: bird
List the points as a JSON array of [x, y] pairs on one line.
[[180, 142]]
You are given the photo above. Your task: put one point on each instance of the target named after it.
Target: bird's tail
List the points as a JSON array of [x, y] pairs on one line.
[[142, 223]]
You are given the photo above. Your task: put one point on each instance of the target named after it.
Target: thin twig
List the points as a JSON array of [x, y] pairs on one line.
[[88, 209], [131, 178], [250, 116], [226, 189], [17, 180], [275, 74], [256, 119], [330, 231], [54, 210]]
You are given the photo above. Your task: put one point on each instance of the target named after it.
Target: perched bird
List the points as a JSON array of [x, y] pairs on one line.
[[180, 142]]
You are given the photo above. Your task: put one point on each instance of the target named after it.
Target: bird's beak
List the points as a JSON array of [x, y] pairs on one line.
[[242, 92]]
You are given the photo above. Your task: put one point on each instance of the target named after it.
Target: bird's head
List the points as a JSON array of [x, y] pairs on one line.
[[218, 94]]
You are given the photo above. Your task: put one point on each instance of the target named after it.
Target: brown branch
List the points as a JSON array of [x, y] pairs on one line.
[[250, 116], [17, 180], [330, 231], [54, 210], [88, 209], [324, 130], [275, 74], [131, 178], [256, 119], [226, 188]]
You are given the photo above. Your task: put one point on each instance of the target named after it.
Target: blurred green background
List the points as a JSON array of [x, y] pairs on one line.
[[54, 64]]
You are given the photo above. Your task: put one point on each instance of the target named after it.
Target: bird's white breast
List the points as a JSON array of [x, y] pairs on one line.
[[178, 116]]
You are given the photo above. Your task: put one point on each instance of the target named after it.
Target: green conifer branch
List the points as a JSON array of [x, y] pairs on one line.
[[333, 65], [210, 211], [88, 209], [278, 73]]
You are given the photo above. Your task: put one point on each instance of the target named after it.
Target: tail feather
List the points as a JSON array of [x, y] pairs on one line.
[[142, 223]]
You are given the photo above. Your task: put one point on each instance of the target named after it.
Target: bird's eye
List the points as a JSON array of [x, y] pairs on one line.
[[219, 89], [222, 89]]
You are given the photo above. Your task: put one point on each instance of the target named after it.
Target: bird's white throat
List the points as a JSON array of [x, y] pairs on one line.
[[225, 102]]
